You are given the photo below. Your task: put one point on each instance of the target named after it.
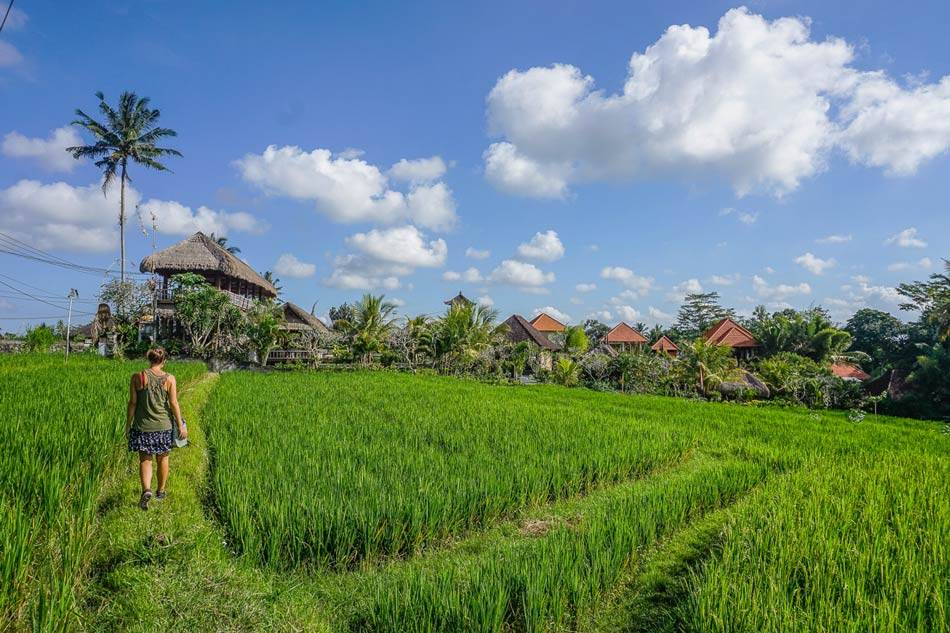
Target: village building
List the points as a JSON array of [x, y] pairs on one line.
[[203, 256], [849, 372], [624, 338], [729, 333], [520, 329], [547, 324], [459, 300], [665, 346]]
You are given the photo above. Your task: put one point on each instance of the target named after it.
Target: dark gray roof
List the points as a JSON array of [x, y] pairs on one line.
[[519, 329]]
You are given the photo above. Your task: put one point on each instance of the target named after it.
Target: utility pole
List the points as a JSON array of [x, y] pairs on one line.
[[72, 296]]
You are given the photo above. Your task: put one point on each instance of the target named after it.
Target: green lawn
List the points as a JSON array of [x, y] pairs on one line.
[[375, 501]]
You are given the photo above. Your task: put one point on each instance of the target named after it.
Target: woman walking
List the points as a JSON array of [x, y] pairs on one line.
[[153, 408]]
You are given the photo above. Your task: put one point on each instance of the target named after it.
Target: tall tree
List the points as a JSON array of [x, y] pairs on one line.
[[129, 133], [932, 298], [878, 334], [595, 331], [698, 312]]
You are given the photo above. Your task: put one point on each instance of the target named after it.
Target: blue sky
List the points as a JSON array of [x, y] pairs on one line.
[[587, 156]]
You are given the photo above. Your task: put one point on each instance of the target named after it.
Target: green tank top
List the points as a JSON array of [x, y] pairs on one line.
[[152, 412]]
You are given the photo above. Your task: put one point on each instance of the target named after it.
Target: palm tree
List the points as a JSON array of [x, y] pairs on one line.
[[464, 332], [129, 133], [223, 243], [269, 276], [710, 364], [369, 328]]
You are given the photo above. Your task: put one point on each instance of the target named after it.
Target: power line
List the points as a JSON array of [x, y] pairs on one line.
[[35, 298], [6, 15], [12, 246]]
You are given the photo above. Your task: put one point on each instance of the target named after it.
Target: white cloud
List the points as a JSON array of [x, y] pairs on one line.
[[396, 301], [585, 287], [174, 218], [680, 290], [485, 300], [924, 263], [746, 217], [401, 245], [814, 264], [358, 272], [659, 316], [627, 313], [471, 275], [551, 311], [346, 189], [61, 216], [725, 280], [512, 172], [418, 171], [545, 247], [641, 285], [758, 103], [576, 301], [9, 55], [288, 265], [526, 276], [834, 239], [897, 128], [49, 152], [601, 315], [778, 292], [906, 239], [475, 253]]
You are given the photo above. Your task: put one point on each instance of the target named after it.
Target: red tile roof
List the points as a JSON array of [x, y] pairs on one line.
[[623, 333], [664, 344], [728, 332], [845, 370], [546, 323]]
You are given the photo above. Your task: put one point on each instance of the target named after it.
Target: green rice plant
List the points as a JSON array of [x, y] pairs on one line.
[[553, 577], [61, 429], [862, 545], [333, 469]]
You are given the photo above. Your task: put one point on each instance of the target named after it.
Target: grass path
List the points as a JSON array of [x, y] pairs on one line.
[[169, 568]]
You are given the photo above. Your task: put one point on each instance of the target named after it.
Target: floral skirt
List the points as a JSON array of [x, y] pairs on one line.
[[151, 442]]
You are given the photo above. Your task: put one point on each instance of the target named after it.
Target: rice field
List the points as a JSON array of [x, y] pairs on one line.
[[378, 501], [431, 504], [62, 431]]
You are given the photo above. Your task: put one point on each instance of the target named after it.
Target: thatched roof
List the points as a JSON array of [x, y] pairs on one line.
[[519, 329], [297, 319], [199, 253], [459, 299]]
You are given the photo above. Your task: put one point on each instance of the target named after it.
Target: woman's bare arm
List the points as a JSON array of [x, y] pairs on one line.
[[130, 409], [173, 403]]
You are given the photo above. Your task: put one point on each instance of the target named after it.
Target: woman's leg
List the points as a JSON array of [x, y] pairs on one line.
[[145, 471], [162, 470]]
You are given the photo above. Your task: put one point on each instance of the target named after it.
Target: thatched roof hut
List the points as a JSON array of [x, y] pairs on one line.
[[296, 319], [200, 254]]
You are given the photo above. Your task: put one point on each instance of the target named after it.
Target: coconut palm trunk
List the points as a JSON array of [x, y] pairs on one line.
[[122, 224]]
